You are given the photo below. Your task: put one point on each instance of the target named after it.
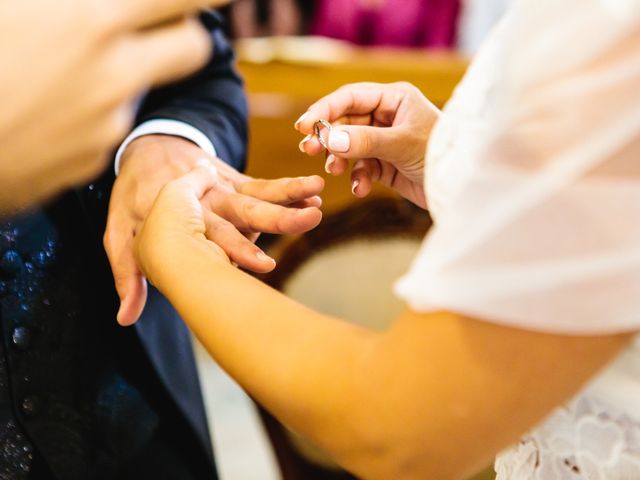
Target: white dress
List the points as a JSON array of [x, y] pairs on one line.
[[533, 180]]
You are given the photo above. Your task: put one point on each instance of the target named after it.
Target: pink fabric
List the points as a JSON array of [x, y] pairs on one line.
[[402, 23]]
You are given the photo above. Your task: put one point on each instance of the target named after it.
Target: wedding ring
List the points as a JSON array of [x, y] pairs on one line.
[[317, 130]]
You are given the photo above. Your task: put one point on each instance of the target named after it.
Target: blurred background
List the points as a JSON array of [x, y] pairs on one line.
[[291, 53]]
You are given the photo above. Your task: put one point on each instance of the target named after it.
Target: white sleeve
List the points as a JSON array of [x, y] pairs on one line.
[[537, 191], [165, 127]]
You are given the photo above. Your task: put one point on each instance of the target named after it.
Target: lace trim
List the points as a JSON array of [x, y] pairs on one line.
[[582, 441]]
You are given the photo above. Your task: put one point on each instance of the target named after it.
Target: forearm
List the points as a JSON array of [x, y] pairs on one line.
[[436, 396], [350, 390], [298, 363]]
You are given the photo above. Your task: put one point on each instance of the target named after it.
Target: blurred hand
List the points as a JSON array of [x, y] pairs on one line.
[[71, 70], [238, 208], [384, 128]]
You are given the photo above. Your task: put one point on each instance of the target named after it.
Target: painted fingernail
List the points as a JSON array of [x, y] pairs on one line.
[[304, 140], [301, 119], [339, 141], [263, 257], [354, 185], [331, 159]]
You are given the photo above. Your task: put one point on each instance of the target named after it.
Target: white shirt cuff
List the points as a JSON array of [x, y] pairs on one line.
[[166, 127]]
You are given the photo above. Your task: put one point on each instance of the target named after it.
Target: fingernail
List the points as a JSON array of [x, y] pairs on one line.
[[339, 141], [304, 140], [331, 159], [354, 185], [263, 257], [301, 119]]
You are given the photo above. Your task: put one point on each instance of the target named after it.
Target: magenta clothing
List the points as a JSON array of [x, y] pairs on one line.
[[402, 23]]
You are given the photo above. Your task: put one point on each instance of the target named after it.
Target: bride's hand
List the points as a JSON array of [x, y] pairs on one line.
[[383, 127], [178, 222]]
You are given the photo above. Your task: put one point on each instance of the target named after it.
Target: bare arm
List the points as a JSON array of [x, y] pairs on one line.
[[435, 396]]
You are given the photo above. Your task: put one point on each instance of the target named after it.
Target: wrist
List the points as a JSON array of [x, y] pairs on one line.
[[171, 263], [162, 259], [162, 150], [165, 128]]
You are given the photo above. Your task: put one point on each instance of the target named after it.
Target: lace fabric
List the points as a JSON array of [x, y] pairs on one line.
[[584, 440]]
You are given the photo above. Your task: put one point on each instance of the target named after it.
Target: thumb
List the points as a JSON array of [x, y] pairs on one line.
[[129, 280], [132, 290], [354, 142]]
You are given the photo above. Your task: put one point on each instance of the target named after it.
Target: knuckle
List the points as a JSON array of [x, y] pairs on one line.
[[293, 193], [120, 279], [367, 143], [140, 204], [247, 210], [403, 85], [110, 241], [346, 88]]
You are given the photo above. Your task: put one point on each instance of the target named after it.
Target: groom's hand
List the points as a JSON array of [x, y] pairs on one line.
[[242, 206]]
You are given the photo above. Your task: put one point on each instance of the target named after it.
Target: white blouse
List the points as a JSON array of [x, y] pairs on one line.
[[533, 180]]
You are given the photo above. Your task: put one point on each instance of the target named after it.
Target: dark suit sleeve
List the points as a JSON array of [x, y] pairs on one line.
[[213, 100]]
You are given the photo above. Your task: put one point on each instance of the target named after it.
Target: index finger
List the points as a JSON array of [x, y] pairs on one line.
[[283, 191], [139, 14], [355, 99]]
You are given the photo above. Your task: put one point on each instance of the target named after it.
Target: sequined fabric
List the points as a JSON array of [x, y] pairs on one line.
[[63, 396], [16, 452], [582, 441]]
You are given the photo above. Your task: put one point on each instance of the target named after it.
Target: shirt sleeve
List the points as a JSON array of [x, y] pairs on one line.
[[165, 127], [536, 188]]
